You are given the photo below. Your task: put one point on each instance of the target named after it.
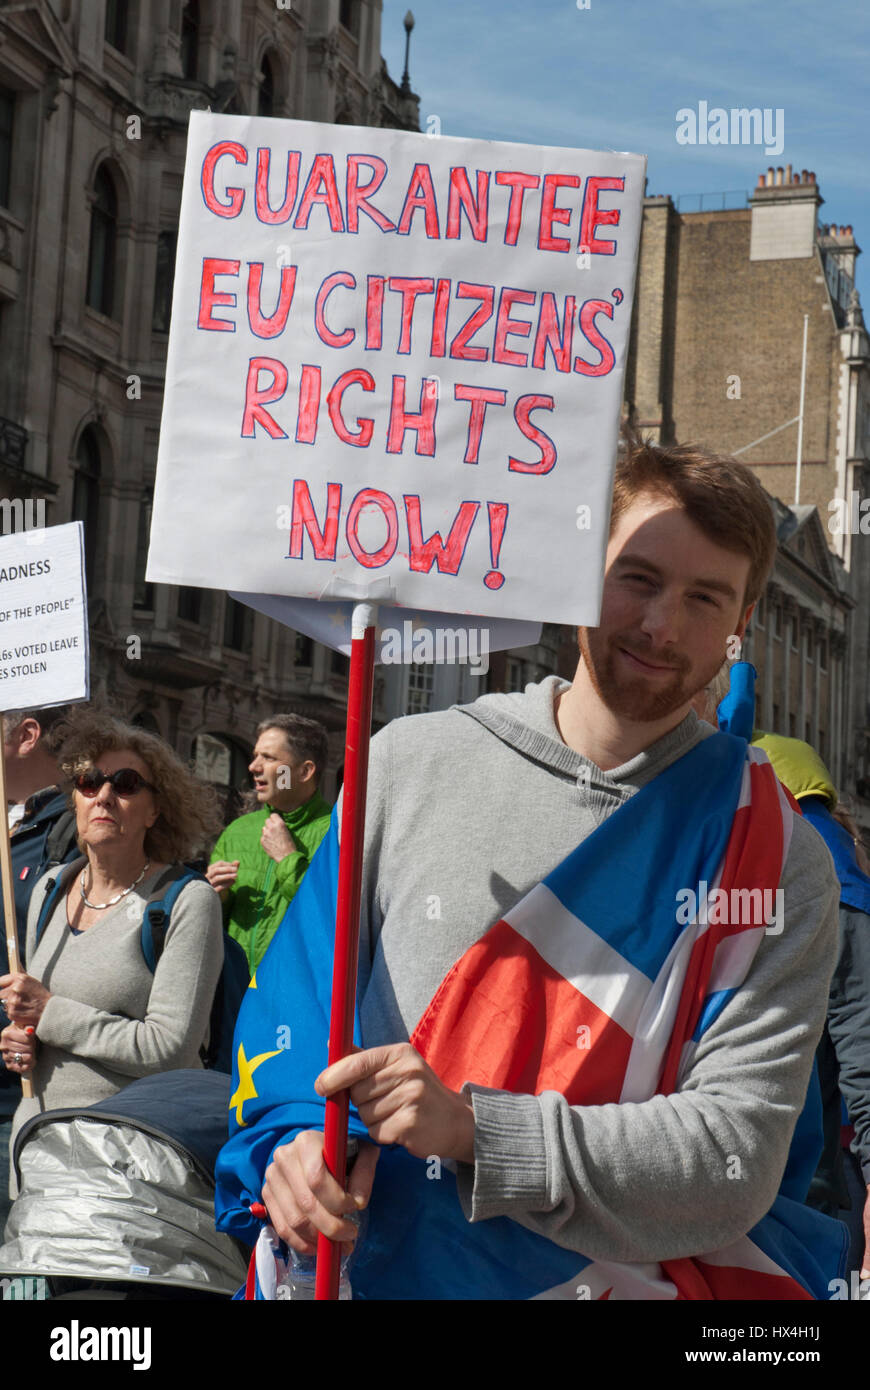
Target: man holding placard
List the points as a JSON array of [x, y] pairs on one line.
[[566, 1088], [45, 834], [44, 663]]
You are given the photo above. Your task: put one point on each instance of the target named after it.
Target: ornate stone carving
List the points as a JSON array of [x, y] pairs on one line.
[[375, 97], [325, 53]]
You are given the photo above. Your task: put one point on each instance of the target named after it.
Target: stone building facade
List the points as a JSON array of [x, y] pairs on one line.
[[94, 103], [715, 357]]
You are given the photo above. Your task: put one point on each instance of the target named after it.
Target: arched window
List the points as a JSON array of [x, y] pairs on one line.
[[86, 496], [101, 253], [189, 38], [266, 94]]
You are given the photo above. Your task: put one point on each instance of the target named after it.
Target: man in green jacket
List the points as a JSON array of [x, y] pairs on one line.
[[260, 859]]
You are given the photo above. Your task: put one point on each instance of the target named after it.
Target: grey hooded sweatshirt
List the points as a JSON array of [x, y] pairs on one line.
[[467, 810]]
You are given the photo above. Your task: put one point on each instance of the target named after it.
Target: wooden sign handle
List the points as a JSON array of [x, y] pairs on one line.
[[9, 896]]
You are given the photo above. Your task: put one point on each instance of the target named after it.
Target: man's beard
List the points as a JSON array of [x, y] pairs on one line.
[[635, 697]]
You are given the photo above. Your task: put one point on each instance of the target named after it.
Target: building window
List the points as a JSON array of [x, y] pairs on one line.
[[266, 92], [143, 593], [793, 625], [101, 254], [190, 39], [823, 653], [238, 626], [822, 742], [792, 726], [514, 675], [348, 16], [190, 604], [339, 664], [758, 615], [421, 683], [777, 622], [86, 496], [775, 729], [7, 112], [304, 652], [115, 31], [808, 732], [164, 278]]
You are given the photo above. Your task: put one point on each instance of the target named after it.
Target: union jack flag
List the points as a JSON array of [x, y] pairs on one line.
[[589, 986]]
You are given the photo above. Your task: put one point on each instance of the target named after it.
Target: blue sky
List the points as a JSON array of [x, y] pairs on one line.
[[615, 75]]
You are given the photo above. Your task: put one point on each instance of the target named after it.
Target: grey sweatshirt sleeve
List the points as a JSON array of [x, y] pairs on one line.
[[693, 1171], [179, 1004]]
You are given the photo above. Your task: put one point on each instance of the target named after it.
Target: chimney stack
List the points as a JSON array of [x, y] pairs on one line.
[[785, 208]]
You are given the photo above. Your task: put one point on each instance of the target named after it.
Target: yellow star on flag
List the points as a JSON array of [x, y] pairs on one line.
[[246, 1090]]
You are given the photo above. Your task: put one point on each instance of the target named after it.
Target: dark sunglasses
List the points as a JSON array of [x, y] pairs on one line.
[[125, 782]]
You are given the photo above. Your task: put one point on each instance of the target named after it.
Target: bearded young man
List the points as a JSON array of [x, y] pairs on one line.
[[560, 1091]]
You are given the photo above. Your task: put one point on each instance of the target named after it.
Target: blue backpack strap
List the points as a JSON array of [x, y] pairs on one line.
[[54, 887], [155, 921]]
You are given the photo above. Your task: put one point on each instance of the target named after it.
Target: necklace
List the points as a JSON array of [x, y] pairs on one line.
[[118, 896]]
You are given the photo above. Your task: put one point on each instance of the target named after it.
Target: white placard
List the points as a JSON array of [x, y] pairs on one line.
[[402, 635], [395, 362], [43, 618]]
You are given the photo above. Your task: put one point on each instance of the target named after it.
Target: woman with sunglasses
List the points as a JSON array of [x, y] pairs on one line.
[[89, 1016]]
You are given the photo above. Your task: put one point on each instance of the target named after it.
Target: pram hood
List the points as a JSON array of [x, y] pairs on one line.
[[125, 1189]]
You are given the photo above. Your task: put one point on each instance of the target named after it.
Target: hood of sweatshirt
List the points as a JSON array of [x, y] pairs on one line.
[[526, 721]]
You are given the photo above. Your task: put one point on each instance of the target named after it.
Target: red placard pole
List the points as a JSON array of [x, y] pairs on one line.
[[344, 970]]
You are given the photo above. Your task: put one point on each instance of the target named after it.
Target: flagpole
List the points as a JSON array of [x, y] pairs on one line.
[[344, 969]]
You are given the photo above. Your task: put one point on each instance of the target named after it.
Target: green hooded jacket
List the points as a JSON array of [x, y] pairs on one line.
[[257, 901]]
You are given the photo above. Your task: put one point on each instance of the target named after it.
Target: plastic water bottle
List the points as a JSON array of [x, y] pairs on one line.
[[296, 1277]]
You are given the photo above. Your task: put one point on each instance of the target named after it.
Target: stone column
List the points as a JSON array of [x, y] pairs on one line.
[[818, 632], [804, 636], [835, 676], [771, 599], [789, 611]]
